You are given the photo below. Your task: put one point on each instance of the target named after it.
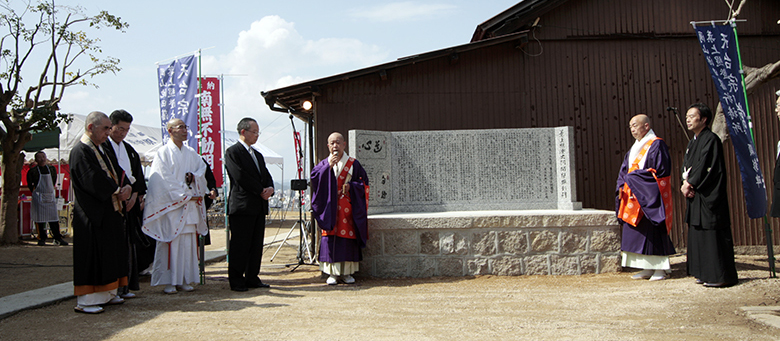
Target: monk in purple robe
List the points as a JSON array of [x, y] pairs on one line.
[[643, 203], [340, 203]]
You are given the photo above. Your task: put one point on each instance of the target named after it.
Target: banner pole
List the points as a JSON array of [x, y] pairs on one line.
[[224, 170], [744, 86], [201, 239], [767, 227]]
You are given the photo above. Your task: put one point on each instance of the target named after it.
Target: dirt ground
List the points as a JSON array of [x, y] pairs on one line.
[[300, 306]]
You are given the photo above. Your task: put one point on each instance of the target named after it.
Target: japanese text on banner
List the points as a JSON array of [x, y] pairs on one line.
[[211, 126], [719, 46], [177, 86]]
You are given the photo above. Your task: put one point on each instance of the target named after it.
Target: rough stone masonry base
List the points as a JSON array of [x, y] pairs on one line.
[[507, 243]]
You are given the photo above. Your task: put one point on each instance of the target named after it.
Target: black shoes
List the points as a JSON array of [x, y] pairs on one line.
[[719, 285], [61, 242], [258, 285], [250, 284]]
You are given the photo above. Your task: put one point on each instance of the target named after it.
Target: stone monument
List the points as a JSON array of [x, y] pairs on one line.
[[472, 202], [468, 170]]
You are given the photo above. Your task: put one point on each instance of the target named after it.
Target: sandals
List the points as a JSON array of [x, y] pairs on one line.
[[114, 301], [88, 309]]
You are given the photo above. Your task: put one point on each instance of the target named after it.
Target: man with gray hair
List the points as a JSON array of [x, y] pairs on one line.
[[99, 249], [250, 187]]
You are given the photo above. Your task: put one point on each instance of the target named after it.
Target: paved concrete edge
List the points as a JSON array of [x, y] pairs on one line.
[[13, 304], [42, 297], [768, 315]]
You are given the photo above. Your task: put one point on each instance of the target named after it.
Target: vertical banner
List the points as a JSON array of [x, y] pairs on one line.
[[178, 85], [211, 126], [720, 48]]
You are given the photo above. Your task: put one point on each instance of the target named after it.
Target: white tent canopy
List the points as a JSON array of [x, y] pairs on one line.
[[231, 137], [270, 156], [142, 138], [146, 140]]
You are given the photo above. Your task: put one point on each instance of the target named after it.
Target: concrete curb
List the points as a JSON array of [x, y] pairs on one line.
[[42, 297], [768, 315]]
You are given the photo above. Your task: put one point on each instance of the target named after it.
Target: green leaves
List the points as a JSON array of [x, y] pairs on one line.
[[52, 48]]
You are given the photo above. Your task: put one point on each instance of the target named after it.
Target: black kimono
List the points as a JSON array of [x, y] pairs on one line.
[[710, 245], [99, 247], [140, 246]]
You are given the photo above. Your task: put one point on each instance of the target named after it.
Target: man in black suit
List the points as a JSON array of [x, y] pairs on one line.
[[776, 193], [140, 247], [250, 187]]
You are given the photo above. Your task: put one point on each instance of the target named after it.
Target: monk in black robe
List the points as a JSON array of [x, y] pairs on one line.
[[140, 246], [710, 245], [99, 246]]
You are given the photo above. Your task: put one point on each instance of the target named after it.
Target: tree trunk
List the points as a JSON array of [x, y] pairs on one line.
[[13, 160], [754, 78]]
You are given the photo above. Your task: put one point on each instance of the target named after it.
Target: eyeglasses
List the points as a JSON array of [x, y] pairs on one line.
[[253, 132], [181, 126]]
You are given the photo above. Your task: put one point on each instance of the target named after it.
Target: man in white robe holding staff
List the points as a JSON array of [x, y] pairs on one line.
[[175, 214]]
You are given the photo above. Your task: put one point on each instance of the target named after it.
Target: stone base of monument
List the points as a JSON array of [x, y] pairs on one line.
[[507, 243]]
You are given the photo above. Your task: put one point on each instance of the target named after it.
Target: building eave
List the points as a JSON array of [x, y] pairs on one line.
[[290, 98]]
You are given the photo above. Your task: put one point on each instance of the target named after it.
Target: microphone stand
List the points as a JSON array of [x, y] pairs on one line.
[[303, 240], [685, 131]]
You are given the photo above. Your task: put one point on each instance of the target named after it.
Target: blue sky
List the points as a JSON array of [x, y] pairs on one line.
[[265, 45]]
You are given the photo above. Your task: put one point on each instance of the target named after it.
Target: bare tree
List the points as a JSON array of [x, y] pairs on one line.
[[45, 37], [754, 78]]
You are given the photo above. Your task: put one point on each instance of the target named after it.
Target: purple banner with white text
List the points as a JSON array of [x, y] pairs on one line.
[[178, 85]]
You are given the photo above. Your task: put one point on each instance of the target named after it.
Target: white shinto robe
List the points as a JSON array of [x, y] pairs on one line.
[[171, 218]]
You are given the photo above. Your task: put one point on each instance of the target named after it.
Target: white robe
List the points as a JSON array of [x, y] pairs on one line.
[[171, 218]]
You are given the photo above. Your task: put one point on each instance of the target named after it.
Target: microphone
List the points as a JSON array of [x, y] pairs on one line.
[[671, 108]]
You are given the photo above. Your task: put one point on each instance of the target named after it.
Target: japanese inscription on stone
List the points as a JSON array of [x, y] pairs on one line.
[[499, 169]]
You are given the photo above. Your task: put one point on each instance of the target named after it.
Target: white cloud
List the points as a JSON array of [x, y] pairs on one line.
[[79, 100], [400, 11], [272, 54]]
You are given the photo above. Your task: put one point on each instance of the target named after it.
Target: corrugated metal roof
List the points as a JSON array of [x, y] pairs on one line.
[[519, 17], [292, 96]]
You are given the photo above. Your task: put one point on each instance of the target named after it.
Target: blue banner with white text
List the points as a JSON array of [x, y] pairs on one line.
[[178, 85], [719, 45]]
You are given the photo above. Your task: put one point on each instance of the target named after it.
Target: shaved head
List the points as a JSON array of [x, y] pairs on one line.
[[639, 125]]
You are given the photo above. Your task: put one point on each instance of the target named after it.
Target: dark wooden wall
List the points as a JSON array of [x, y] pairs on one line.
[[586, 73]]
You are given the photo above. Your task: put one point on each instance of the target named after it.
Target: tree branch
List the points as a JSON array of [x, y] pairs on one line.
[[735, 14]]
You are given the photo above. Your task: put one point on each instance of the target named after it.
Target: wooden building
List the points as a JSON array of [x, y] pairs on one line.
[[590, 64]]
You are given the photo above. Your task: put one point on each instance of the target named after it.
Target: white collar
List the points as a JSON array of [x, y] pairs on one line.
[[174, 146], [246, 146], [638, 145]]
